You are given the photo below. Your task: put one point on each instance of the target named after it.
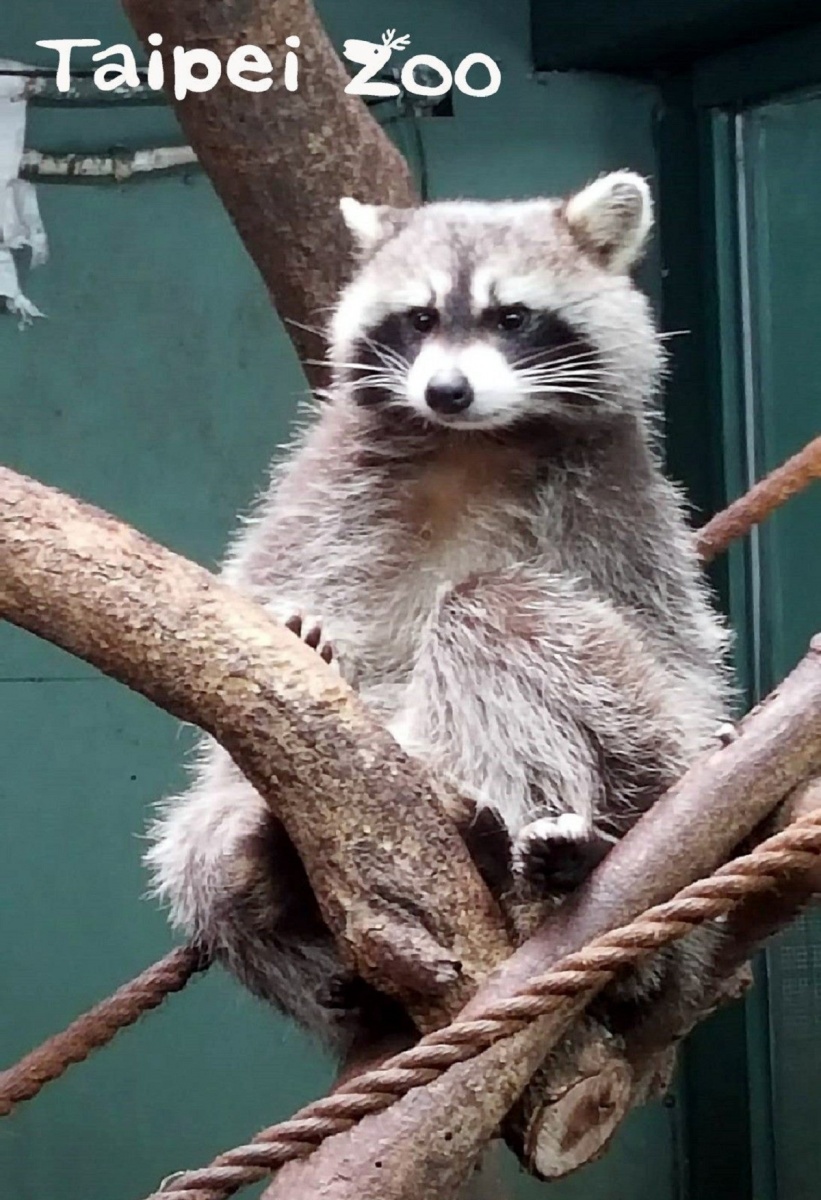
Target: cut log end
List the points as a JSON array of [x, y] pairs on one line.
[[578, 1127]]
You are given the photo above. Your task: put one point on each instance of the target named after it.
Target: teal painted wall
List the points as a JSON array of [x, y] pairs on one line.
[[157, 388], [782, 157]]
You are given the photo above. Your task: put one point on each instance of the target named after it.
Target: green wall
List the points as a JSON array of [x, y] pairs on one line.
[[781, 144], [157, 388]]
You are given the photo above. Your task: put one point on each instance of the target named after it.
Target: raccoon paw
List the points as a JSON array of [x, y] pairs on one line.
[[556, 854], [343, 994], [310, 631]]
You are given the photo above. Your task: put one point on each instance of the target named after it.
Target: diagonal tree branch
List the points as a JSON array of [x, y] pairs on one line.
[[280, 160], [615, 1079], [346, 793], [442, 1128], [747, 929], [763, 498]]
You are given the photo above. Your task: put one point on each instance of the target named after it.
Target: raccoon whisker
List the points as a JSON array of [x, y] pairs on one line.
[[580, 362], [391, 377], [387, 359], [551, 358], [554, 350], [570, 390], [387, 354], [370, 368], [398, 366], [323, 333], [553, 381], [376, 381], [347, 366], [549, 371], [603, 403], [564, 373]]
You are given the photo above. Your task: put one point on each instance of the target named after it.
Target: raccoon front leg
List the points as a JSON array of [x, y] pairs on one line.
[[556, 854]]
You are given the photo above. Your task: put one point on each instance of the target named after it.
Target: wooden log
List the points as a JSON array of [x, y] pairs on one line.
[[606, 1079], [424, 1147], [362, 815], [280, 160]]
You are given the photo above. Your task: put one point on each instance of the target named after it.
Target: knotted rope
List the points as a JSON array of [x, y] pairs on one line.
[[796, 849]]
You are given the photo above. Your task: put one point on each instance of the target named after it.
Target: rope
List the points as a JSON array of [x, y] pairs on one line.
[[763, 498], [795, 850], [98, 1026]]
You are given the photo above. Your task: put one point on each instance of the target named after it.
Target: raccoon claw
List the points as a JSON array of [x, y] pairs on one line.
[[488, 842], [556, 854], [726, 734], [342, 994], [310, 631]]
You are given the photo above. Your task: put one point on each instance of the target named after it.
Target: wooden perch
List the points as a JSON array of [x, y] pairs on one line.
[[746, 930], [433, 1135], [614, 1079], [280, 160], [348, 796]]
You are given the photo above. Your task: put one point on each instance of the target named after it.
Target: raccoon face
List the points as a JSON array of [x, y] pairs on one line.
[[479, 315]]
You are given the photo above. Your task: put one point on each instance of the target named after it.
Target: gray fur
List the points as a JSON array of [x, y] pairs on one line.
[[518, 599]]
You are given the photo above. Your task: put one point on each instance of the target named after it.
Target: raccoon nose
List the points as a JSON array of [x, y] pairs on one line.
[[449, 393]]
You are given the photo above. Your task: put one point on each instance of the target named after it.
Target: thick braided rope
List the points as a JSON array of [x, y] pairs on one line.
[[795, 850], [98, 1026]]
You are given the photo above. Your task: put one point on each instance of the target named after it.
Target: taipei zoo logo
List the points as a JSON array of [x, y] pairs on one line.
[[252, 69]]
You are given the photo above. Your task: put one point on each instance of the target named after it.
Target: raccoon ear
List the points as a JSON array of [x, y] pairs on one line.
[[612, 218], [371, 224]]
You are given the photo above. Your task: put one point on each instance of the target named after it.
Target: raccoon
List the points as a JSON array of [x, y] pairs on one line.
[[478, 520]]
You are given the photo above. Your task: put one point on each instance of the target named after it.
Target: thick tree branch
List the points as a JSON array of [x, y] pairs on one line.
[[601, 1082], [361, 814], [442, 1128], [280, 160]]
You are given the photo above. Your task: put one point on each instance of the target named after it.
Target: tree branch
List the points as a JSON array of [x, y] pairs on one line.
[[760, 502], [280, 160], [441, 1129], [601, 1082], [346, 793]]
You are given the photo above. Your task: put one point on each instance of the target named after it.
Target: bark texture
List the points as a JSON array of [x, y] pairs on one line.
[[281, 160], [363, 817], [433, 1136]]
